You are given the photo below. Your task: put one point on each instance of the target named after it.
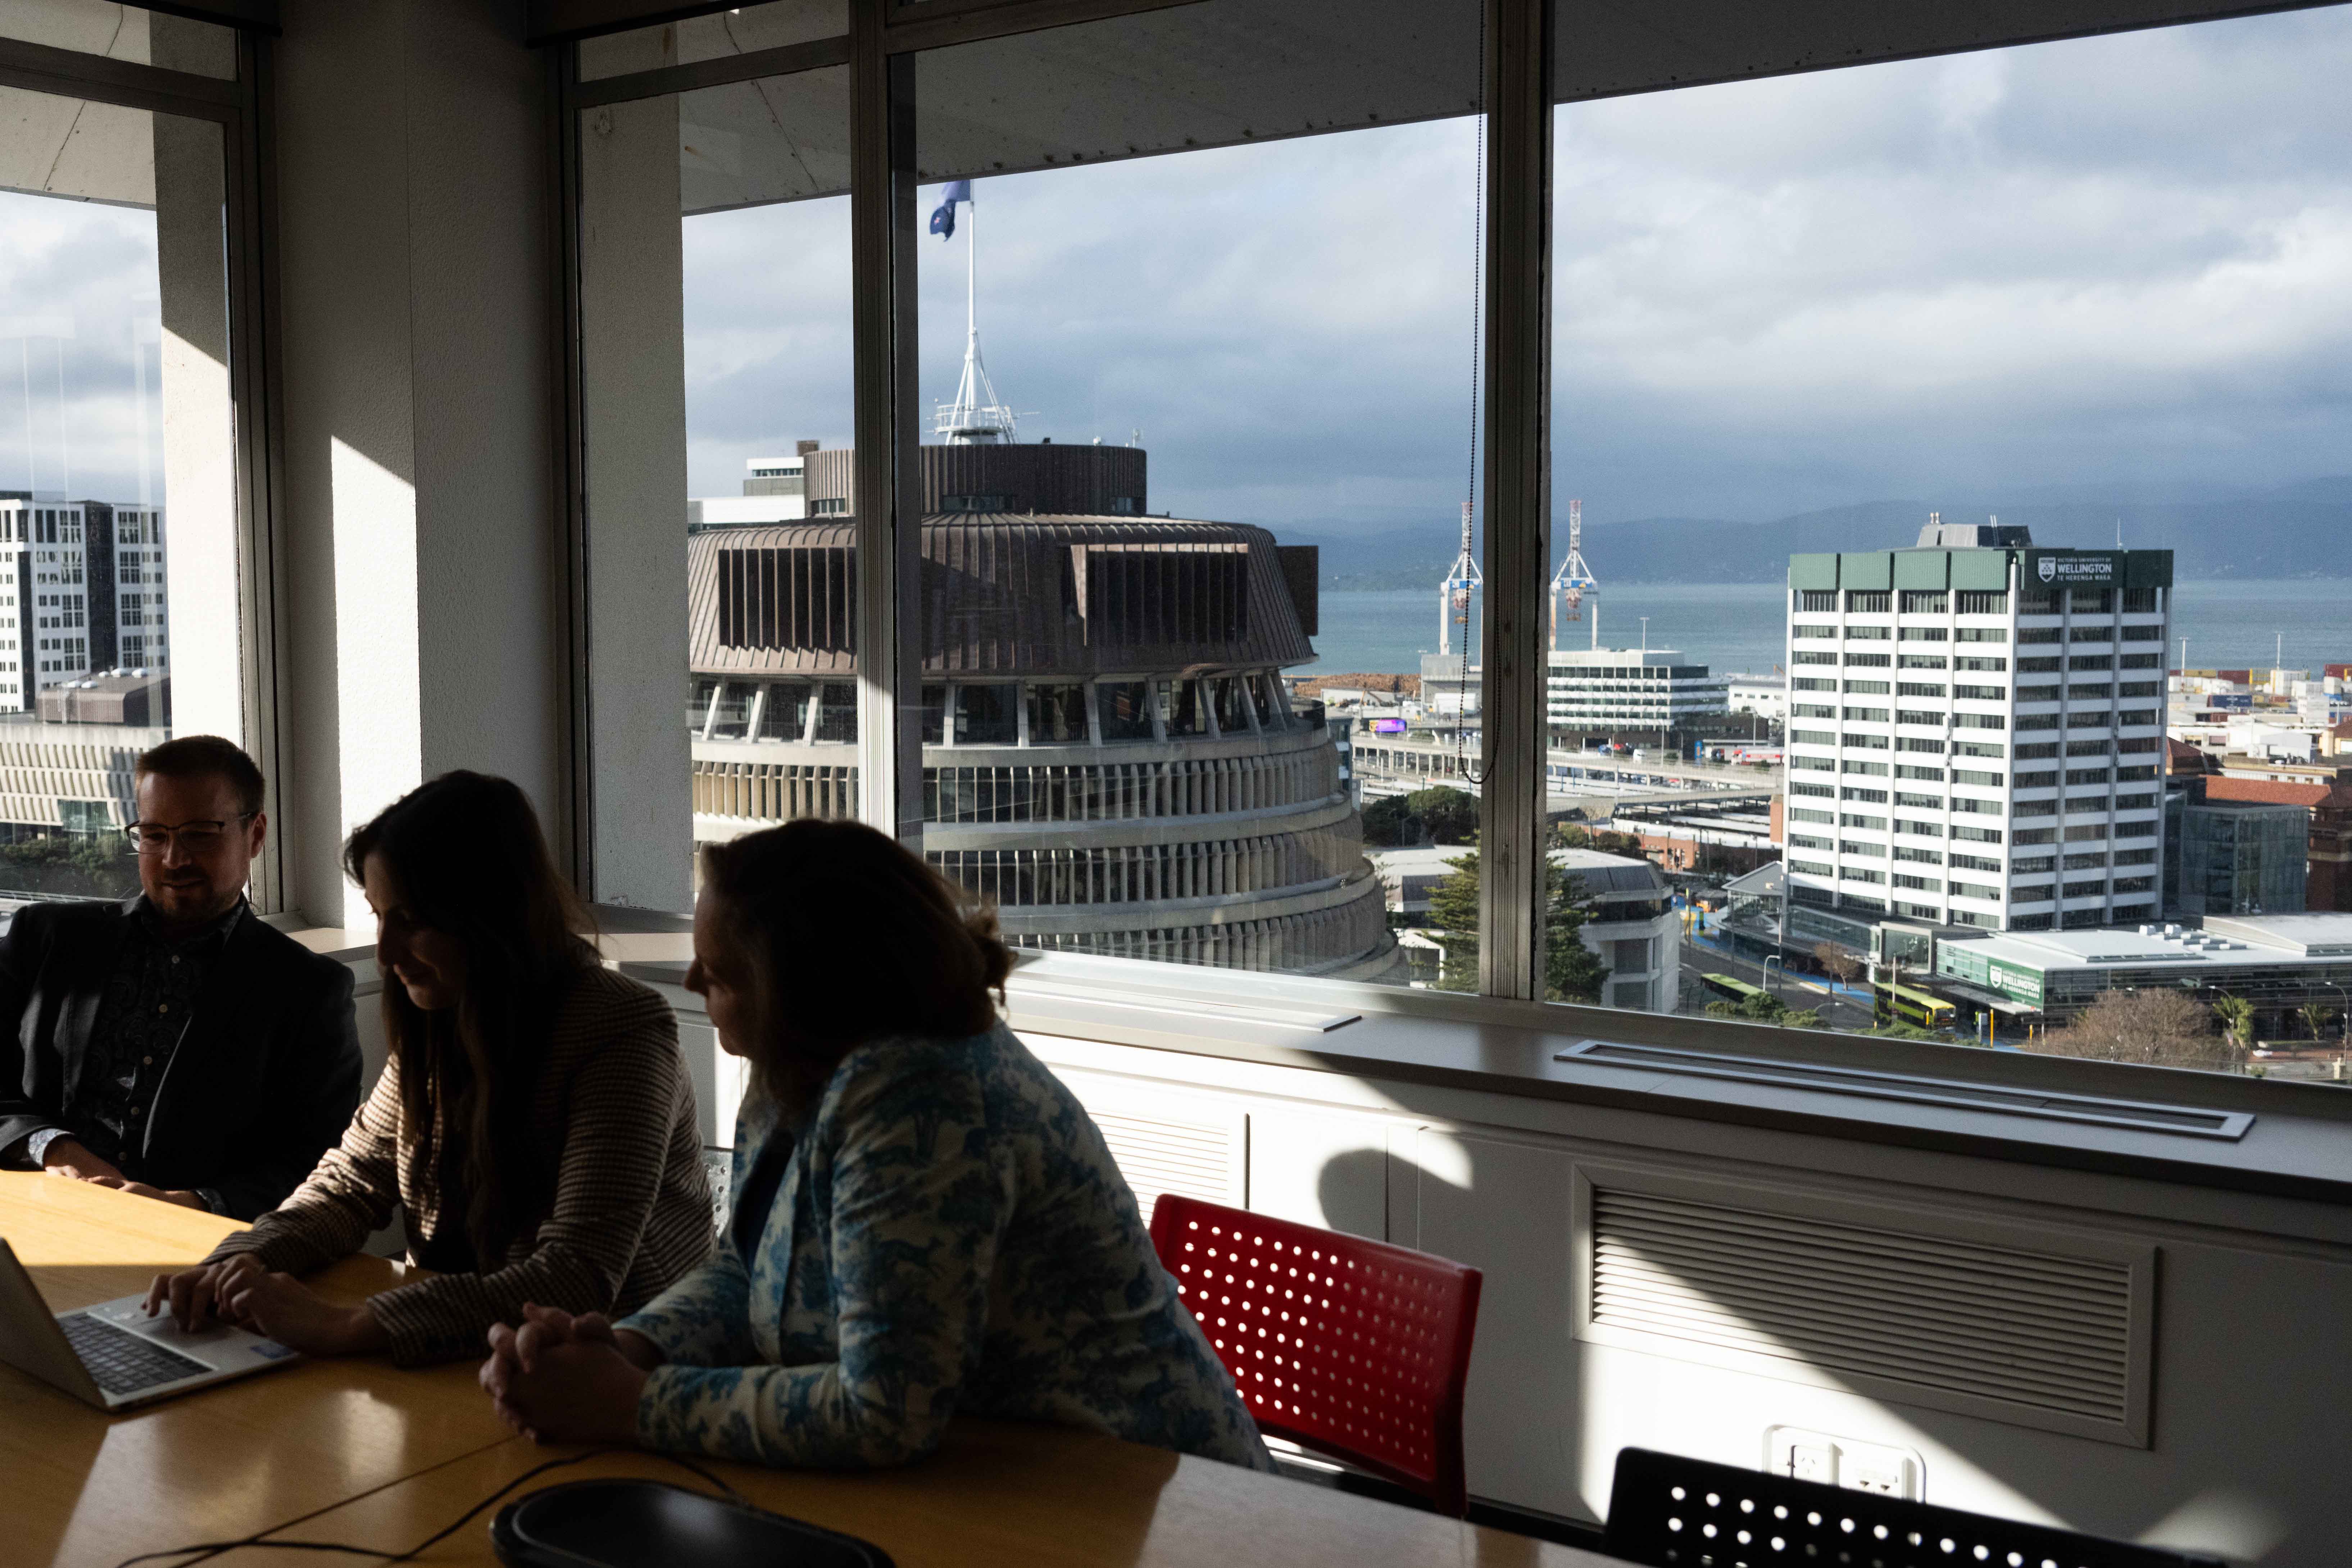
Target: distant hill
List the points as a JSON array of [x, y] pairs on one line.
[[2298, 531]]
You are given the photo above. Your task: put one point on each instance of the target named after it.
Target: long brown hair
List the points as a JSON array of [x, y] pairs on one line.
[[466, 854], [845, 937]]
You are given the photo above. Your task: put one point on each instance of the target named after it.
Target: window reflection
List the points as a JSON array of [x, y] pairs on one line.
[[1057, 715], [1125, 709]]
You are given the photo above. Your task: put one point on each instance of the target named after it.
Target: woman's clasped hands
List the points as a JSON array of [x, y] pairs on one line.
[[562, 1379]]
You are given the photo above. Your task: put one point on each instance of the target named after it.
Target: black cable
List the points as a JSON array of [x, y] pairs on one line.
[[205, 1550]]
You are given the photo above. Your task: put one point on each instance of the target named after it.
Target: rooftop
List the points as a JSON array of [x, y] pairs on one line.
[[1601, 874], [2236, 941], [2275, 791]]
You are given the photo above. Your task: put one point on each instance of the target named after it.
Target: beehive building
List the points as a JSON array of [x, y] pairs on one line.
[[1109, 752]]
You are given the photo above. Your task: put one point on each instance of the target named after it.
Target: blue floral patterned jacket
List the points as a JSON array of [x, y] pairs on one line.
[[951, 1237]]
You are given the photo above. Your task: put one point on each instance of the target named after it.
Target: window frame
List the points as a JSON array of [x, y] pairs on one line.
[[243, 107], [1521, 93]]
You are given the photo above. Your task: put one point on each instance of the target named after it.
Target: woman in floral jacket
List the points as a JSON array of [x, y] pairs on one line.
[[926, 1222]]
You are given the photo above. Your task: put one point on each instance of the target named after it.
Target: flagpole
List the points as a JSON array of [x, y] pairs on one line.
[[971, 276]]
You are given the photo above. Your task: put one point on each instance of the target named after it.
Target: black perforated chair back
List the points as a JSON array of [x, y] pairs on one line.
[[1673, 1513]]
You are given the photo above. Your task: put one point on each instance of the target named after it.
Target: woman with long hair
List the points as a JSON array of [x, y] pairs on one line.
[[533, 1122], [926, 1223]]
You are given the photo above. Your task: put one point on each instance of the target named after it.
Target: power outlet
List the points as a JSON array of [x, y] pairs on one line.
[[1878, 1468]]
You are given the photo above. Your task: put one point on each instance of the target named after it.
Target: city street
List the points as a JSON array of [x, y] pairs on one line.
[[1798, 991]]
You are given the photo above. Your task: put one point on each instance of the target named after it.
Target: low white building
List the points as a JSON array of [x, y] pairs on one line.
[[775, 490], [1766, 696], [1614, 689], [1632, 926]]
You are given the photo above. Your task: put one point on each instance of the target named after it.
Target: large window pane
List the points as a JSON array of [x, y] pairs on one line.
[[1943, 400], [1182, 378], [716, 354], [119, 589]]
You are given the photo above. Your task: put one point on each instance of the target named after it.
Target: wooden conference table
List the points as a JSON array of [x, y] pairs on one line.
[[360, 1452]]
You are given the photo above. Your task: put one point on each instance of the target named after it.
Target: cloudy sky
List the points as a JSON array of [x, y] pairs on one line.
[[78, 298], [2114, 267], [2118, 267]]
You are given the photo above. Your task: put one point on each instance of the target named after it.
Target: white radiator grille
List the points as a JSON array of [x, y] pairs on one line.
[[2039, 1338], [1195, 1158]]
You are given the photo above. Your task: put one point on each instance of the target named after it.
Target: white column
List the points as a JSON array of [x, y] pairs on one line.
[[418, 518], [200, 519], [633, 329]]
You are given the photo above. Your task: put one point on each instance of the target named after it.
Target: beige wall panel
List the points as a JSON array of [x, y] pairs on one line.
[[418, 523], [200, 516], [632, 310], [68, 147]]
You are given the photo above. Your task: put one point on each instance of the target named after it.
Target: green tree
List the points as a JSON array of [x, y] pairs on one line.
[[1899, 1029], [1454, 911], [2316, 1017], [1389, 823], [2237, 1016], [70, 866], [1765, 1008], [1572, 972], [1448, 815]]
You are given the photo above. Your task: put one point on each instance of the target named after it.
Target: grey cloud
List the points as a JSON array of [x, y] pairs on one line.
[[94, 267], [2118, 260]]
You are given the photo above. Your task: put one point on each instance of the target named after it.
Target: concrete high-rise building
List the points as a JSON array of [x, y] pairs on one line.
[[81, 593], [1976, 732]]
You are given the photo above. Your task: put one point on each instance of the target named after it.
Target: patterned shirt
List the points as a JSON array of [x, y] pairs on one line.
[[948, 1235], [149, 999]]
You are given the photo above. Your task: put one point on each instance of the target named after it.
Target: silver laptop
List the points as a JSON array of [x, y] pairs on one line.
[[113, 1355]]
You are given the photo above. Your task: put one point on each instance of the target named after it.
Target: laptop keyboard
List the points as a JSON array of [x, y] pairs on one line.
[[122, 1361]]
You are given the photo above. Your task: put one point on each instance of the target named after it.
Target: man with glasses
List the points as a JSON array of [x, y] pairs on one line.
[[174, 1045]]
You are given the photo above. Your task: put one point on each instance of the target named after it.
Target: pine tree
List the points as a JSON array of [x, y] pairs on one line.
[[1572, 972], [1454, 911]]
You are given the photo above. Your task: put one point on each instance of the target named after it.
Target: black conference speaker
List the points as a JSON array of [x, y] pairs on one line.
[[652, 1524]]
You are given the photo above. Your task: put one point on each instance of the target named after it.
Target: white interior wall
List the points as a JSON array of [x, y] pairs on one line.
[[419, 520], [1487, 1179], [633, 397], [200, 520]]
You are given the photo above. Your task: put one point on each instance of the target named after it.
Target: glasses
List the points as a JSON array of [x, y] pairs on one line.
[[195, 837]]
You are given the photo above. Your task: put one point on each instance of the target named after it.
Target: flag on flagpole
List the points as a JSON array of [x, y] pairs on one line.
[[943, 216]]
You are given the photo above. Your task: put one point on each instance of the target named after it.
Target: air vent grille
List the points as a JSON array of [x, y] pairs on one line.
[[1196, 1159], [2040, 1338]]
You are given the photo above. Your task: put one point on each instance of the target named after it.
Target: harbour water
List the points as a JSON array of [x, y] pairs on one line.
[[1740, 627]]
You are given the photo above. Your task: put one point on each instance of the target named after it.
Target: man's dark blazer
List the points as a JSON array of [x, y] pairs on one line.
[[264, 1079]]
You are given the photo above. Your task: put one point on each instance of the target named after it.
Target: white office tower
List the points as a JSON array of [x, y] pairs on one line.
[[1633, 691], [81, 593], [1976, 732]]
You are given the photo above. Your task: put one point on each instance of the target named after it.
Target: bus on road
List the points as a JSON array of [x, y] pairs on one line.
[[1893, 1004]]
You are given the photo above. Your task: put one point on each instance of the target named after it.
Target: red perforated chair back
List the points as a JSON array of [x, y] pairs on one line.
[[1354, 1348]]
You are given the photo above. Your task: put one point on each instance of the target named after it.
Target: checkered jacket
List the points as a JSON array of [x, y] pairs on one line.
[[614, 1112]]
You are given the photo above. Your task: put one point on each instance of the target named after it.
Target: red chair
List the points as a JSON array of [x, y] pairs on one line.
[[1355, 1349]]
